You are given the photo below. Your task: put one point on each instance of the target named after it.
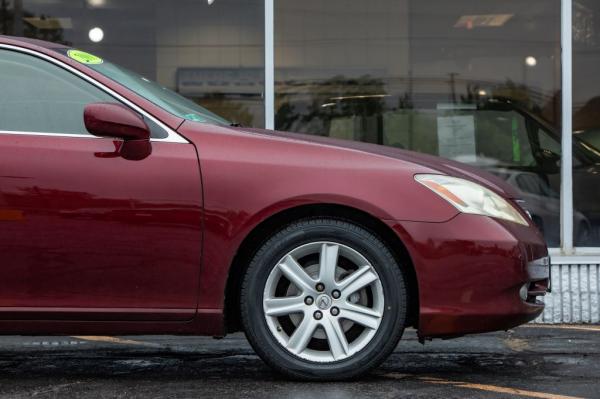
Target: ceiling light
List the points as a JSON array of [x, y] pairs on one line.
[[530, 61], [210, 2], [96, 3], [482, 93], [96, 35]]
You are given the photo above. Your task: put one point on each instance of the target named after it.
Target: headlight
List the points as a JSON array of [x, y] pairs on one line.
[[469, 197]]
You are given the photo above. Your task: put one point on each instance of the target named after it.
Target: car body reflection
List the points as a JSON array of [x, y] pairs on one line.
[[543, 204]]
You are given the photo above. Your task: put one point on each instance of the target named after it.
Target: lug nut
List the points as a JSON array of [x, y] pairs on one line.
[[309, 300], [336, 294], [335, 311], [318, 315], [320, 287]]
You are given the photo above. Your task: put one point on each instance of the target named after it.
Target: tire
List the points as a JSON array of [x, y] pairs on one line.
[[325, 357]]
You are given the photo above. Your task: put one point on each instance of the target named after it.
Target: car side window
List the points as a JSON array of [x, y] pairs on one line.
[[550, 143], [40, 97]]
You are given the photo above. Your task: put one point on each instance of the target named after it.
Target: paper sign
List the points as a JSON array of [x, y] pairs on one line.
[[456, 137]]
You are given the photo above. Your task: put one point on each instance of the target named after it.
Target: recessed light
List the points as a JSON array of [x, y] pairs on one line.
[[531, 61], [96, 3], [96, 34]]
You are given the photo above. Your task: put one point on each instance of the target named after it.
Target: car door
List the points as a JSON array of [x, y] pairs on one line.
[[85, 233]]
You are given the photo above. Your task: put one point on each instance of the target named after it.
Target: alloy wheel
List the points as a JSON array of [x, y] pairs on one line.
[[323, 301]]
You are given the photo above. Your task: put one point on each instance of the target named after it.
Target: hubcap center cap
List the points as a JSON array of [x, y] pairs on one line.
[[324, 302]]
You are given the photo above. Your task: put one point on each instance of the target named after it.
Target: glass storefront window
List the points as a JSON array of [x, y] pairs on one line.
[[212, 54], [477, 82], [586, 122]]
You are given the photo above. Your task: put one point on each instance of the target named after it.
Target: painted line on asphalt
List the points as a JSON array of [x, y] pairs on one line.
[[565, 327], [481, 387], [516, 344], [115, 340]]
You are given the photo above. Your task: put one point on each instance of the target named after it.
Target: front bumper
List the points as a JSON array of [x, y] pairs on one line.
[[471, 271], [539, 269], [540, 282]]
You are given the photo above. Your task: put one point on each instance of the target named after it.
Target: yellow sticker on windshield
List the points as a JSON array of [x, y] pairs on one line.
[[84, 58]]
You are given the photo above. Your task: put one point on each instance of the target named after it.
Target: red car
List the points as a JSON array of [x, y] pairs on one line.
[[127, 209]]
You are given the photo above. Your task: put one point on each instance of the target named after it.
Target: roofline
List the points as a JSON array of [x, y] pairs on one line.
[[30, 42]]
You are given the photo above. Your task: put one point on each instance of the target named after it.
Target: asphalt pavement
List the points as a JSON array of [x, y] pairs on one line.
[[527, 362]]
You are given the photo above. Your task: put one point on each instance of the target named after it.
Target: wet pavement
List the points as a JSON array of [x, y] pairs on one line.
[[537, 362]]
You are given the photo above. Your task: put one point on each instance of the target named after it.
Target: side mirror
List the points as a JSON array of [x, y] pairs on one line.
[[118, 121], [114, 120]]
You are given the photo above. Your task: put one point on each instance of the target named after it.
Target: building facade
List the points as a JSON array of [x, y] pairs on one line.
[[506, 85]]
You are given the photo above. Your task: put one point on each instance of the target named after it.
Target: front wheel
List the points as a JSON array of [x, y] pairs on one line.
[[323, 299]]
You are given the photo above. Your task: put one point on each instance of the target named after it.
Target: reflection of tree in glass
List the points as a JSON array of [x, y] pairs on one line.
[[473, 95], [586, 117], [7, 25], [519, 94], [525, 97], [586, 125], [311, 106], [405, 101], [286, 114], [226, 106], [5, 17], [516, 92], [50, 35]]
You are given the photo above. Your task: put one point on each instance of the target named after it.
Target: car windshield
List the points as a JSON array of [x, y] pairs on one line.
[[167, 99]]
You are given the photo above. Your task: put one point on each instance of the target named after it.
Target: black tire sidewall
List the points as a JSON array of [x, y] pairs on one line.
[[355, 237]]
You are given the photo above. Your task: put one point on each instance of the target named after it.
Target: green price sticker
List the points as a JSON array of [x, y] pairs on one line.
[[84, 58]]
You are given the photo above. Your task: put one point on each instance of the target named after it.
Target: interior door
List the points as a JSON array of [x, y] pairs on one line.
[[85, 233]]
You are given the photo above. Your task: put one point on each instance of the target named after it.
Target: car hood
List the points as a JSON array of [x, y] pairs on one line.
[[442, 165]]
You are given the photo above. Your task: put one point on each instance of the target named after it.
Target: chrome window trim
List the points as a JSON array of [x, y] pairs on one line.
[[172, 136], [77, 136], [24, 133]]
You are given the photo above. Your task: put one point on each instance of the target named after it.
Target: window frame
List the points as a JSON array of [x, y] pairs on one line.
[[566, 194]]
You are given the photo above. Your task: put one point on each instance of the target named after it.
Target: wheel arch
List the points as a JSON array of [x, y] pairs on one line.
[[273, 223]]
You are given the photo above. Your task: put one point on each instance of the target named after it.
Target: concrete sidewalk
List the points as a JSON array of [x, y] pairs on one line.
[[533, 361]]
